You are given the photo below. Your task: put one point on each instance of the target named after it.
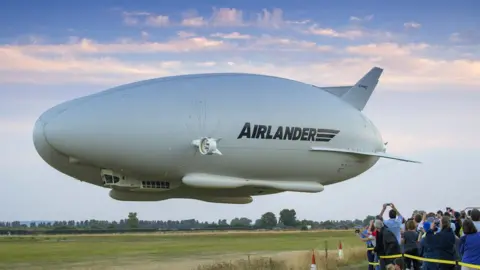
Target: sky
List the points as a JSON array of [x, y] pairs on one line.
[[426, 105]]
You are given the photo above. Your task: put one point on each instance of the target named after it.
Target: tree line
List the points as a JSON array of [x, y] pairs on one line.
[[287, 219]]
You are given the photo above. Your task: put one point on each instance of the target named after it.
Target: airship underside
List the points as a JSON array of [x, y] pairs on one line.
[[222, 137]]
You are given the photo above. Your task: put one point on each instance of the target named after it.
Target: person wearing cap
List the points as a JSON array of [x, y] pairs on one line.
[[427, 251]]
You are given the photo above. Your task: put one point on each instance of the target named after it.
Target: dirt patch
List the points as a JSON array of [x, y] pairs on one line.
[[146, 263]]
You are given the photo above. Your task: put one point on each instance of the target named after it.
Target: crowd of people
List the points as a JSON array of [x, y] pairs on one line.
[[438, 237]]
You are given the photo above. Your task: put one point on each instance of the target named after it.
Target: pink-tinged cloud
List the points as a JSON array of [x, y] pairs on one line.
[[87, 46], [227, 17], [194, 22], [329, 32]]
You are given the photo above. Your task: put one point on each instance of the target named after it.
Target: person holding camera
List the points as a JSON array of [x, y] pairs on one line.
[[395, 221], [441, 244], [386, 243]]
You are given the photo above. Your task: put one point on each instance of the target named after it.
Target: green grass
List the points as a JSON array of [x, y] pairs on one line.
[[78, 248]]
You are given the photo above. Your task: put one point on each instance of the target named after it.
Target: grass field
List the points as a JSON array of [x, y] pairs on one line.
[[158, 250]]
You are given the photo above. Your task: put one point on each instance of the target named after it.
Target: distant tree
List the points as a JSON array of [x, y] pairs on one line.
[[240, 222], [366, 221], [132, 220], [288, 217], [268, 220]]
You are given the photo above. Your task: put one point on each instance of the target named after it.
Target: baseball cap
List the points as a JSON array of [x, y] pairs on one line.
[[426, 225]]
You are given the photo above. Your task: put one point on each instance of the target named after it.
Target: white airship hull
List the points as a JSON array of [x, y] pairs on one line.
[[213, 137]]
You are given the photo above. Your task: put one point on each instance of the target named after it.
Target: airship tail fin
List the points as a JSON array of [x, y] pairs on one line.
[[338, 91], [360, 93]]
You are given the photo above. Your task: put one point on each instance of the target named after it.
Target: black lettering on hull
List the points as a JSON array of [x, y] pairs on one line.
[[286, 133]]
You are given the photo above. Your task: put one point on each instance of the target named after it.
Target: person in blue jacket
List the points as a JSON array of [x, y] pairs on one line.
[[427, 251], [442, 244], [470, 244]]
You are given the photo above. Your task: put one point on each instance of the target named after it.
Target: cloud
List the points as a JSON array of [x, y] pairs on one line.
[[410, 25], [386, 49], [220, 17], [88, 46], [270, 19], [267, 42], [358, 19], [227, 17], [406, 66], [144, 18], [192, 19], [301, 22], [185, 34], [233, 35], [466, 37], [157, 21], [194, 22], [329, 32]]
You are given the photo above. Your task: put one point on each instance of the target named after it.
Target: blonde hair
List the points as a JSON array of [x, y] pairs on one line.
[[390, 267], [410, 225]]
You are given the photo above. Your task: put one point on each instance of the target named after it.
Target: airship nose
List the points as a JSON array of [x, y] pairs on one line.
[[40, 139]]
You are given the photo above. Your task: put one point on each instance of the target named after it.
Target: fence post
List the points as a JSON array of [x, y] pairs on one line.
[[326, 254]]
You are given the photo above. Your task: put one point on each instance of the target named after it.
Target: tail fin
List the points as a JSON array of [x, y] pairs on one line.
[[360, 93]]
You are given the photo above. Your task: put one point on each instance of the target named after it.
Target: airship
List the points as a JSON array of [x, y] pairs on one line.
[[216, 137]]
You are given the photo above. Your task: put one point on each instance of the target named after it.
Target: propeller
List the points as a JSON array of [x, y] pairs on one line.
[[201, 129]]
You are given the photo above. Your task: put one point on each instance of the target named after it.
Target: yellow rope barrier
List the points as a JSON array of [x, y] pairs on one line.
[[425, 260]]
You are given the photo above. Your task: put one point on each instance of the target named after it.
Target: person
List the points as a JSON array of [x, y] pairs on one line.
[[475, 215], [386, 243], [470, 244], [463, 215], [426, 251], [399, 264], [442, 243], [367, 237], [452, 221], [394, 223], [458, 223], [419, 219], [409, 241]]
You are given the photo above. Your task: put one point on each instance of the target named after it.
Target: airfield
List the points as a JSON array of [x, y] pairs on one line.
[[182, 250]]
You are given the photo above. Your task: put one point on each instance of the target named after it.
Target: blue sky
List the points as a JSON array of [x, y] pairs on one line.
[[426, 104]]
